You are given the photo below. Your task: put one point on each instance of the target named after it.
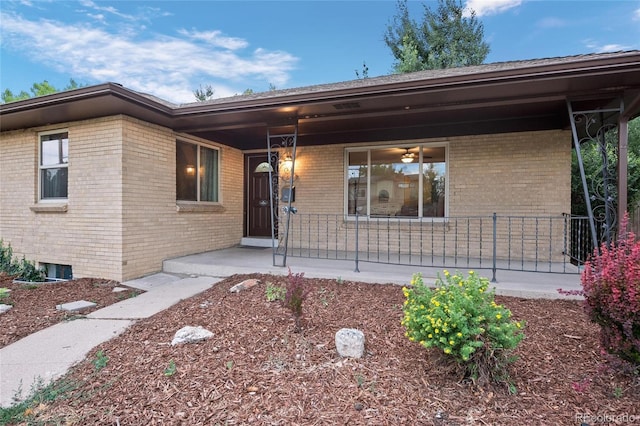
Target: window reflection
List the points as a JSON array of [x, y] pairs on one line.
[[382, 185]]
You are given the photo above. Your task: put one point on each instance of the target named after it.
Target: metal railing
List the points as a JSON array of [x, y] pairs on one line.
[[555, 244]]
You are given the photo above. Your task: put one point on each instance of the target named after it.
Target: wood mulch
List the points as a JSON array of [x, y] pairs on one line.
[[257, 370], [34, 306]]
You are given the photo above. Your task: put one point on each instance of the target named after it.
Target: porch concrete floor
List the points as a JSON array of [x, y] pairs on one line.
[[248, 260]]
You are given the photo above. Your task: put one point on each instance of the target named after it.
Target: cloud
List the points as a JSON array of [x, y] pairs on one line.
[[636, 14], [603, 48], [490, 7], [215, 38], [551, 22], [169, 67], [109, 9]]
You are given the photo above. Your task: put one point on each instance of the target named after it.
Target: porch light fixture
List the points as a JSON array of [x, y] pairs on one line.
[[287, 163], [407, 157], [191, 169]]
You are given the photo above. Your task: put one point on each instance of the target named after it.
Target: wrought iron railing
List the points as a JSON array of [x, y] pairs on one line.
[[558, 244]]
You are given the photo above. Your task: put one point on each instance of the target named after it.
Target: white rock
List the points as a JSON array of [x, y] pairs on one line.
[[4, 308], [190, 334], [350, 342]]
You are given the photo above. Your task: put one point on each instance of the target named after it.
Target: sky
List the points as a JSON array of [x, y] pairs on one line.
[[170, 48]]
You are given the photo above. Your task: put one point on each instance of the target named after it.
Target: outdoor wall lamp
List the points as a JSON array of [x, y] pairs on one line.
[[287, 163], [191, 169]]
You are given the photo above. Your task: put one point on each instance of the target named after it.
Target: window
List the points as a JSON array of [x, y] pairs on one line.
[[196, 172], [55, 271], [397, 181], [53, 167]]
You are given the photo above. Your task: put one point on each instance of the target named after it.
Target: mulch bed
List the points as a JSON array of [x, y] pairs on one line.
[[34, 306], [257, 370]]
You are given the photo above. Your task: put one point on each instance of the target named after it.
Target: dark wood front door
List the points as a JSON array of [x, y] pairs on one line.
[[257, 201]]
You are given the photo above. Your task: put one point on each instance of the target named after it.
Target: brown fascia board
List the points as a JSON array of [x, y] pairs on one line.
[[117, 91], [479, 75]]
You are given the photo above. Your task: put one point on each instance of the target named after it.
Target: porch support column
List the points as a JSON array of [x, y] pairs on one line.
[[623, 156]]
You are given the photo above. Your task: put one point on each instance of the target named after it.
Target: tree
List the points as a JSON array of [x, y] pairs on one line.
[[37, 89], [204, 94], [365, 72], [446, 38]]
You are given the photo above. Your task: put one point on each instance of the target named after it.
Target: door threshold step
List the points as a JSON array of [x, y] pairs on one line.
[[258, 242]]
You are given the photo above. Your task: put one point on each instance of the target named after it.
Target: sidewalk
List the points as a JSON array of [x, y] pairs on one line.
[[48, 354]]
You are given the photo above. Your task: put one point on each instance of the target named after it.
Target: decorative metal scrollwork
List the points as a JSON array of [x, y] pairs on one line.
[[603, 187]]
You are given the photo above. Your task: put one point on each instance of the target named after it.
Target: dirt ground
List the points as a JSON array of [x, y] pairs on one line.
[[257, 370]]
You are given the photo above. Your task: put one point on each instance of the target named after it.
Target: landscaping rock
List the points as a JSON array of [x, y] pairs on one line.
[[190, 334], [75, 306], [350, 342], [119, 289], [4, 308], [244, 285]]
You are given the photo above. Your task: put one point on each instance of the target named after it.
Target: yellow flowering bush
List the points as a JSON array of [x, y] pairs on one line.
[[460, 317]]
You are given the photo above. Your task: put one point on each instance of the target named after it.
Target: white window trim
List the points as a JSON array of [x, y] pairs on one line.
[[61, 201], [368, 148], [181, 204]]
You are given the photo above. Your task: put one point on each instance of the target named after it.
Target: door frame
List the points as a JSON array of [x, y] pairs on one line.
[[247, 195]]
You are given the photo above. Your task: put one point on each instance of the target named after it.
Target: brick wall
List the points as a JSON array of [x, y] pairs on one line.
[[121, 219], [517, 174], [153, 228], [86, 236]]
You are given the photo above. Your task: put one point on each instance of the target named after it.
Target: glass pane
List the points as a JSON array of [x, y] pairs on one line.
[[434, 170], [54, 183], [186, 166], [208, 174], [357, 198], [54, 149], [394, 184], [50, 153], [65, 150]]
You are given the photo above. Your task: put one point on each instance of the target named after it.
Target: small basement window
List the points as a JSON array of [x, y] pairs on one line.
[[55, 271]]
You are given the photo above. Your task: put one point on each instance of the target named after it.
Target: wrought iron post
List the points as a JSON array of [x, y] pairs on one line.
[[495, 247]]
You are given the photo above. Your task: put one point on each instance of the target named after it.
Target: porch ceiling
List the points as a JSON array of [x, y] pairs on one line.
[[492, 98]]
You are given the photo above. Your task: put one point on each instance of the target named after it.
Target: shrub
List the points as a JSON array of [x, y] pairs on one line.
[[611, 287], [295, 296], [274, 292], [22, 269], [460, 318]]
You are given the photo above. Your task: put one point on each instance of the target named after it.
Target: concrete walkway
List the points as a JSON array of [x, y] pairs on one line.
[[49, 353]]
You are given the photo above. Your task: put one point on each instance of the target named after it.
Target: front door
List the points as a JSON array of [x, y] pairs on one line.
[[258, 221]]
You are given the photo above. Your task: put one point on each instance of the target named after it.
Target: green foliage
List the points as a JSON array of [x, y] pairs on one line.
[[274, 292], [25, 412], [460, 318], [365, 72], [446, 38], [592, 161], [205, 93], [4, 293], [37, 89], [171, 369], [100, 360], [295, 296], [19, 268]]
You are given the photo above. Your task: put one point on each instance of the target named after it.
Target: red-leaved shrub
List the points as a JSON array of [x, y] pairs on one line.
[[611, 283], [295, 296]]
